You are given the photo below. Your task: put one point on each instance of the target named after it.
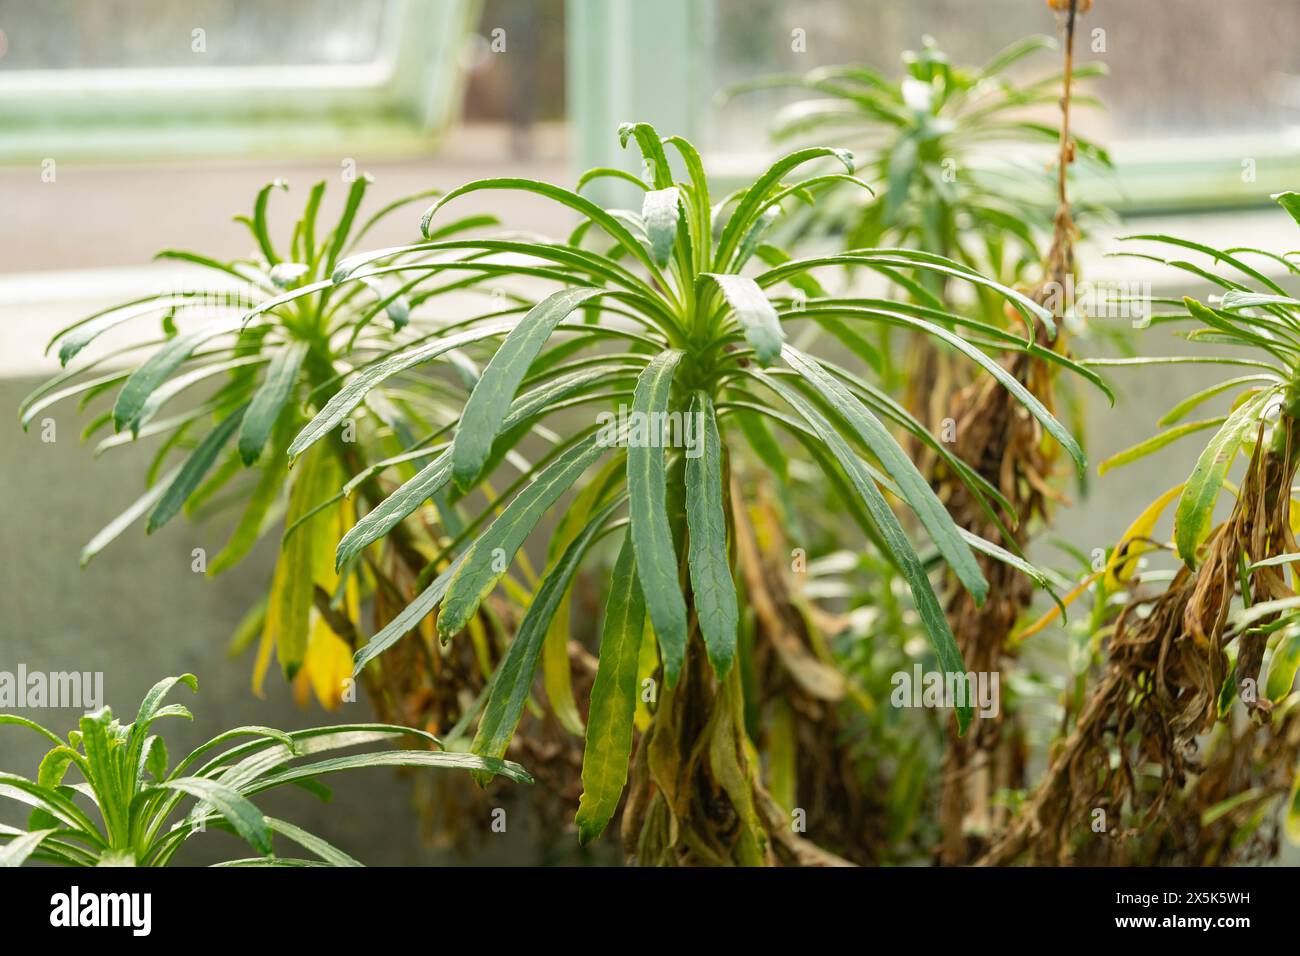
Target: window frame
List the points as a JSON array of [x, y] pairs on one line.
[[400, 104]]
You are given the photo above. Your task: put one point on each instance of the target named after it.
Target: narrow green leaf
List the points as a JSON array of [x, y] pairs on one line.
[[1290, 201], [662, 211], [155, 370], [238, 811], [54, 802], [270, 482], [269, 862], [1156, 442], [269, 400], [130, 516], [394, 758], [1243, 618], [513, 679], [410, 616], [54, 766], [912, 486], [702, 224], [1008, 381], [1015, 52], [756, 196], [655, 171], [351, 394], [557, 668], [192, 472], [608, 172], [1291, 557], [258, 224], [396, 306], [927, 605], [652, 537], [706, 518], [1204, 395], [50, 394], [430, 479], [480, 422], [1283, 666], [295, 573], [1195, 512], [757, 317], [855, 343], [490, 556], [764, 443], [580, 204], [151, 704], [309, 841], [155, 757], [15, 721], [72, 341], [17, 850], [165, 393], [613, 700], [339, 238]]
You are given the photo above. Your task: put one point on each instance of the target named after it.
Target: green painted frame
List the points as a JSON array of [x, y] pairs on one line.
[[634, 60], [398, 106]]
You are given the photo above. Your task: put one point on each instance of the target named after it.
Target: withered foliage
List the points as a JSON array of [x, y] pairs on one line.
[[1135, 752], [1005, 445], [433, 686], [1247, 768], [798, 682]]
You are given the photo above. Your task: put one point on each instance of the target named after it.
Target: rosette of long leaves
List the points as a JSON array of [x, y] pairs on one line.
[[945, 145], [660, 313], [259, 359], [133, 807]]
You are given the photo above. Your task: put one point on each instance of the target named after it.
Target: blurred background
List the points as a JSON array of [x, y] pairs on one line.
[[129, 126]]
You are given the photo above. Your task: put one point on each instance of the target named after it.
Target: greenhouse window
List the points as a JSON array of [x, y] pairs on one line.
[[141, 79]]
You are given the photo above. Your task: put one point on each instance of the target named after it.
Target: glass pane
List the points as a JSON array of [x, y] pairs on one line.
[[1217, 68], [109, 34]]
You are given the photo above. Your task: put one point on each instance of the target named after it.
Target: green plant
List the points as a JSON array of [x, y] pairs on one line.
[[126, 778], [700, 341], [940, 142], [1179, 659], [271, 357], [951, 148]]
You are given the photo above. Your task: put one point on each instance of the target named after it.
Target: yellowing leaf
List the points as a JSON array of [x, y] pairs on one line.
[[1121, 565], [326, 666], [306, 560], [1119, 571]]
